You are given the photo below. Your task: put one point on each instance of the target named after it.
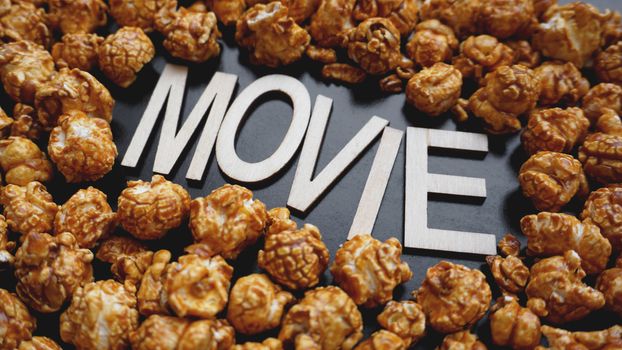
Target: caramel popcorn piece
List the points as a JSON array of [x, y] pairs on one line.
[[24, 21], [24, 67], [555, 130], [604, 95], [148, 210], [6, 246], [25, 122], [482, 54], [453, 297], [6, 123], [460, 15], [524, 53], [228, 11], [101, 316], [256, 304], [22, 162], [332, 19], [272, 37], [268, 344], [391, 84], [113, 247], [505, 18], [612, 30], [560, 83], [509, 245], [39, 343], [16, 322], [343, 72], [150, 295], [514, 326], [601, 155], [432, 42], [326, 318], [321, 54], [28, 208], [610, 284], [123, 54], [369, 270], [404, 318], [382, 340], [77, 51], [604, 208], [561, 276], [541, 6], [82, 147], [77, 16], [402, 13], [610, 338], [552, 179], [461, 340], [608, 64], [138, 13], [609, 123], [226, 221], [294, 258], [510, 273], [435, 90]]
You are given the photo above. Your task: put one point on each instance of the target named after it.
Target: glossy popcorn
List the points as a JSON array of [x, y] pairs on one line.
[[404, 318], [555, 130], [77, 16], [28, 208], [22, 162], [16, 322], [123, 54], [513, 325], [560, 83], [24, 68], [77, 50], [604, 208], [432, 42], [435, 90]]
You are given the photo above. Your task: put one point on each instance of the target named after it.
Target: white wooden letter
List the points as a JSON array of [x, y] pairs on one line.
[[228, 159], [419, 183]]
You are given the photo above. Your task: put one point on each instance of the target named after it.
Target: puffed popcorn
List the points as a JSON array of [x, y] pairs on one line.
[[461, 15], [570, 32], [560, 83], [256, 304], [601, 155], [552, 179], [391, 83], [101, 316], [524, 53], [505, 18], [326, 318], [114, 247], [432, 42], [88, 216], [24, 68], [271, 36], [601, 99], [6, 246], [77, 16], [6, 124], [72, 90], [610, 284], [173, 333], [608, 64], [150, 295], [612, 30], [321, 54], [16, 323], [138, 13], [28, 208], [507, 93], [131, 268], [25, 122], [24, 21], [514, 326], [81, 147], [39, 343], [229, 11], [77, 50], [555, 130], [148, 210], [50, 268], [22, 161], [268, 344], [463, 340], [402, 13], [226, 221], [453, 297], [369, 270], [343, 72], [541, 6], [435, 90], [482, 54], [604, 208], [382, 340], [509, 245], [510, 273], [299, 10], [561, 276], [123, 54], [294, 258], [609, 122], [606, 339], [332, 19], [404, 318]]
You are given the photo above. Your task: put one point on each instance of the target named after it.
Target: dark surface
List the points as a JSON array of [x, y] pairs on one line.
[[333, 213]]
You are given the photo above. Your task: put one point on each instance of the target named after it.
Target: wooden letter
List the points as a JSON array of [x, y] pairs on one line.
[[306, 191], [419, 183]]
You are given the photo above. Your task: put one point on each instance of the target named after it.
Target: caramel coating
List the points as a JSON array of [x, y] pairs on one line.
[[24, 67], [606, 339], [453, 297], [226, 221], [560, 83], [77, 16], [332, 19], [391, 84], [173, 333], [460, 15], [601, 155], [123, 54], [6, 124], [88, 216], [101, 316], [557, 276], [256, 304], [402, 13], [151, 298], [72, 90], [148, 210], [114, 247], [343, 72], [326, 318], [375, 45], [22, 161], [138, 13], [16, 322], [25, 122], [610, 284], [570, 32], [272, 37], [50, 268], [404, 318], [294, 258], [24, 21], [482, 54], [28, 208], [541, 6], [435, 90], [604, 95], [369, 270], [432, 42], [228, 11], [509, 245], [608, 64], [77, 51], [82, 147], [524, 53], [6, 246], [505, 18], [612, 30], [604, 208], [555, 130], [39, 343], [609, 123], [551, 180], [508, 92], [510, 273], [320, 54], [514, 326], [461, 340], [382, 340], [268, 344]]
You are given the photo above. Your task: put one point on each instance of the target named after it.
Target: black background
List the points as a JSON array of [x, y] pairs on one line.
[[262, 132]]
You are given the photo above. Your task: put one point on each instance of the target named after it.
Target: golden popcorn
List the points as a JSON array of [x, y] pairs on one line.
[[369, 270], [505, 18], [321, 54], [82, 147], [608, 64], [453, 297], [555, 130], [123, 54], [256, 304], [326, 318], [114, 247], [610, 284], [541, 6], [610, 338], [435, 90], [6, 246], [24, 67], [552, 179], [509, 245], [601, 155], [16, 322], [50, 268], [24, 21], [150, 295], [604, 209], [28, 208], [331, 20], [391, 84], [402, 13], [22, 161], [561, 275], [228, 11], [268, 344], [382, 340], [514, 326], [272, 37], [343, 72], [510, 273], [404, 318], [77, 51], [25, 122], [461, 340], [226, 221], [39, 343], [480, 55], [612, 30], [560, 83], [77, 16], [101, 316], [138, 13], [524, 53], [461, 15], [609, 123], [432, 42], [148, 210]]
